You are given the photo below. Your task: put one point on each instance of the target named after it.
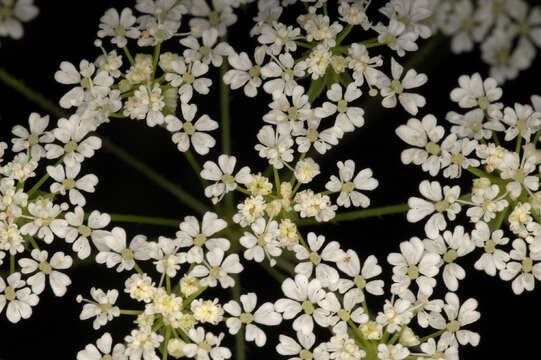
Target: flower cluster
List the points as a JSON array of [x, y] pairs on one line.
[[504, 199], [507, 31], [12, 14]]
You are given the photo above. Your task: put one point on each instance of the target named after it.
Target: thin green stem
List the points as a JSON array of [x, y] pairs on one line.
[[433, 335], [357, 332], [196, 167], [11, 264], [131, 312], [225, 116], [165, 342], [42, 180], [304, 44], [125, 218], [302, 240], [243, 190], [535, 140], [519, 142], [128, 55], [276, 179], [137, 268], [33, 242], [168, 283], [155, 59], [240, 346], [279, 277], [343, 34], [191, 298], [359, 214]]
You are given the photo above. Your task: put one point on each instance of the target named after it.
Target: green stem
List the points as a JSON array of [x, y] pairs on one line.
[[156, 177], [357, 332], [165, 342], [131, 312], [155, 59], [519, 142], [276, 179], [168, 283], [243, 190], [304, 44], [240, 347], [124, 218], [279, 277], [195, 166], [191, 298], [128, 55], [137, 268], [535, 140], [225, 123], [42, 180], [11, 264], [433, 335], [343, 34], [359, 214], [33, 242]]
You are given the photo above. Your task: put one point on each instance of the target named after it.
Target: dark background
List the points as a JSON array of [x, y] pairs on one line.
[[65, 30]]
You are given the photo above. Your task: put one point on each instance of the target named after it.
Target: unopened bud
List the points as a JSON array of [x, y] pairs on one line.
[[373, 92]]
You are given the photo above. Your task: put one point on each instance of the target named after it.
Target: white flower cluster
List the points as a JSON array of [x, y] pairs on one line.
[[507, 31], [12, 14], [504, 198], [32, 218]]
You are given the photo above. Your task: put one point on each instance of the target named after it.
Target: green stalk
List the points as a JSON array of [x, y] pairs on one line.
[[240, 346], [128, 55], [225, 123], [124, 218], [343, 34], [155, 59], [359, 214], [195, 166], [165, 342], [33, 242], [11, 264], [131, 312], [433, 335]]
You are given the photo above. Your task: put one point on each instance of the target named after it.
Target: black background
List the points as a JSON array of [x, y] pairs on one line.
[[65, 30]]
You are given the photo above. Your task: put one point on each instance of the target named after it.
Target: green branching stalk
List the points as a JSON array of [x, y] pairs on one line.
[[225, 114], [359, 214], [125, 218], [195, 166]]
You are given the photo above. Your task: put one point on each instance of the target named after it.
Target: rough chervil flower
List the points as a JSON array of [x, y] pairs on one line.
[[103, 350], [102, 307], [347, 185], [12, 13]]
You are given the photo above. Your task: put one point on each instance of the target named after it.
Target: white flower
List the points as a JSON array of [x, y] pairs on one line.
[[475, 92], [391, 88], [305, 170], [11, 239], [349, 117], [119, 27], [250, 210], [45, 221], [210, 52], [205, 346], [414, 263], [392, 352], [188, 77], [454, 155], [351, 265], [103, 348], [396, 37], [288, 346], [347, 185], [222, 175], [440, 351], [219, 17], [472, 125], [318, 61], [363, 65], [275, 146], [450, 246], [394, 315], [459, 316], [244, 73], [216, 268], [194, 133], [265, 315], [168, 259], [32, 139], [321, 140], [487, 204], [71, 133], [119, 254], [278, 36], [522, 120], [65, 182], [309, 204], [285, 71], [412, 13], [520, 172], [327, 275], [199, 238], [15, 12], [77, 232], [522, 270], [19, 298], [142, 344], [102, 307], [440, 202], [493, 259], [207, 311], [57, 280], [424, 135], [263, 241], [146, 103], [302, 295]]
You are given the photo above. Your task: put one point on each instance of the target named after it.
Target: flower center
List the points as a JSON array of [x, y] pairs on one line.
[[483, 102], [205, 346], [315, 258], [33, 139], [10, 293], [441, 206], [45, 267], [5, 13], [200, 240], [70, 147], [120, 31], [312, 135], [458, 159], [246, 318], [342, 106], [453, 326], [228, 179], [433, 148], [308, 307], [359, 281], [127, 254], [348, 187], [522, 124], [68, 184], [502, 57], [450, 256], [343, 314], [255, 71], [490, 246], [188, 128], [107, 357], [397, 86], [519, 176], [105, 307], [390, 39], [413, 272], [306, 354], [214, 18], [215, 272], [205, 51], [84, 230], [527, 264]]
